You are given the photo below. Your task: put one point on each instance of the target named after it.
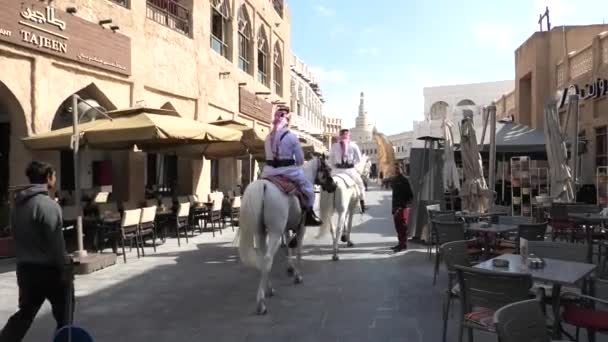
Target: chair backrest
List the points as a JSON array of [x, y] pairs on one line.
[[184, 210], [449, 231], [217, 201], [455, 254], [131, 218], [559, 250], [444, 216], [578, 208], [236, 203], [151, 202], [148, 214], [492, 290], [521, 321], [101, 197], [533, 231], [69, 213], [514, 219]]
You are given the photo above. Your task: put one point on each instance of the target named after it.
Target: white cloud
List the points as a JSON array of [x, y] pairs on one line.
[[368, 51], [324, 11], [495, 35], [333, 76]]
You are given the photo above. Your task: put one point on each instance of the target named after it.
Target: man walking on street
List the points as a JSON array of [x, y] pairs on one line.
[[42, 270], [402, 196]]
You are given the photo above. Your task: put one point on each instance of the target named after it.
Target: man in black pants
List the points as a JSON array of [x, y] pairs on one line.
[[42, 265], [402, 196]]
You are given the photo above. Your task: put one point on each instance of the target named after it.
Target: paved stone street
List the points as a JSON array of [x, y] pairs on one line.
[[201, 293]]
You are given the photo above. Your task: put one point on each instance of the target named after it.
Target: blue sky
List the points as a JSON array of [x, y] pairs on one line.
[[391, 49]]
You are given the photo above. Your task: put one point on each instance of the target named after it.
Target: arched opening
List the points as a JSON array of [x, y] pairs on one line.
[[263, 58], [466, 102], [96, 166], [439, 110], [245, 40], [13, 155], [278, 70]]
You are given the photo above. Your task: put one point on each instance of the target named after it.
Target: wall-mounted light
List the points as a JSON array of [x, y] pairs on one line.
[[262, 93], [242, 84], [114, 28], [105, 21], [71, 10], [224, 74]]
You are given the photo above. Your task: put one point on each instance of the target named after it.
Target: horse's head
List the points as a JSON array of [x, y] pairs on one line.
[[323, 175]]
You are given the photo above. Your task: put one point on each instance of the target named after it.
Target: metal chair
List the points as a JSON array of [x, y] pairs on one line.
[[439, 215], [454, 253], [147, 226], [181, 221], [235, 211], [446, 232], [483, 292], [521, 322], [129, 230], [588, 312]]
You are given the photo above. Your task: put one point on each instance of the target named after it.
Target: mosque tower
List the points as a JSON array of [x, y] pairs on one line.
[[363, 130]]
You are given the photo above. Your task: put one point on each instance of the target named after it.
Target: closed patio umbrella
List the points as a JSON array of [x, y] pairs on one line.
[[475, 193], [451, 180], [560, 173]]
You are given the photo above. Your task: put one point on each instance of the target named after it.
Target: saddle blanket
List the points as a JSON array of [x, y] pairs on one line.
[[287, 186]]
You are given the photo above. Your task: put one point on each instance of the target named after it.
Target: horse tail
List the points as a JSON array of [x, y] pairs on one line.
[[251, 222]]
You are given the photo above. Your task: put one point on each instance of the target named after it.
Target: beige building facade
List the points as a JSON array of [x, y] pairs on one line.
[[570, 59], [208, 60]]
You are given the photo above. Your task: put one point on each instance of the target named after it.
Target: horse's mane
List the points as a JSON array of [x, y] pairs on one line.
[[360, 167]]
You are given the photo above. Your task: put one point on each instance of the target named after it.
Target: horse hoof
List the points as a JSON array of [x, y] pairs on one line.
[[299, 279], [343, 238], [290, 271], [335, 258], [262, 309], [349, 244]]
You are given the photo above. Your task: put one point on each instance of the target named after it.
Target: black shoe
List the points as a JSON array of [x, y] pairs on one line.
[[311, 219], [398, 248], [363, 209]]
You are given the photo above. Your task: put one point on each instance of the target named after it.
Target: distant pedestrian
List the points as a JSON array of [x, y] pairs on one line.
[[42, 270], [402, 196]]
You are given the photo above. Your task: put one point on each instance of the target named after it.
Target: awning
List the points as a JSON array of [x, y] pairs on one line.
[[147, 128]]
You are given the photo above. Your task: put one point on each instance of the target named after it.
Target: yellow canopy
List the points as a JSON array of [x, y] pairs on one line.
[[145, 127]]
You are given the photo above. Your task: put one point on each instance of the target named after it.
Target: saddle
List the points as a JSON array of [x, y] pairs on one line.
[[287, 186]]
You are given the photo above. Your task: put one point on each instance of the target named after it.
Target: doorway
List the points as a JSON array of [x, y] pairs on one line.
[[5, 147]]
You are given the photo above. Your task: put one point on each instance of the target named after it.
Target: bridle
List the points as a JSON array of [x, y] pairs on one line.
[[325, 181]]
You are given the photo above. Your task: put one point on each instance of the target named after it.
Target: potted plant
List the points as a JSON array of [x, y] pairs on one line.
[[7, 246]]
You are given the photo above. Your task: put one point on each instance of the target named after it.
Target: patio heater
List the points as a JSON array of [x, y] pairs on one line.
[[75, 143]]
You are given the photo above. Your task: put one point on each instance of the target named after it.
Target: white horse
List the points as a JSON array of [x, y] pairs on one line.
[[266, 214], [343, 201]]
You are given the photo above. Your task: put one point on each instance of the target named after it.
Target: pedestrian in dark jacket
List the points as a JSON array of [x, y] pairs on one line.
[[42, 271], [402, 196]]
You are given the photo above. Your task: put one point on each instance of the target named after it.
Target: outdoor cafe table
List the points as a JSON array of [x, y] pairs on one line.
[[489, 232], [556, 272], [590, 220]]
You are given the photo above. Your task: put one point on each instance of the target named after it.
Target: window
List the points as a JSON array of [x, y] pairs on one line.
[[278, 7], [466, 102], [169, 13], [601, 146], [263, 60], [123, 3], [220, 27], [439, 110], [278, 70], [245, 40]]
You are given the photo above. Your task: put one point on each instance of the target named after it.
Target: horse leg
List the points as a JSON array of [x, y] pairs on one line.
[[298, 271], [263, 265], [290, 267], [348, 228], [339, 228]]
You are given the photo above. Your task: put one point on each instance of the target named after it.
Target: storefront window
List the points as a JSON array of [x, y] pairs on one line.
[[601, 146]]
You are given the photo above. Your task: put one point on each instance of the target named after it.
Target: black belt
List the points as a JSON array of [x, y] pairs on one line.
[[345, 166], [281, 162]]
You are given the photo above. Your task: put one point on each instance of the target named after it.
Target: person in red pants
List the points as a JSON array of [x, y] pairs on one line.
[[402, 196]]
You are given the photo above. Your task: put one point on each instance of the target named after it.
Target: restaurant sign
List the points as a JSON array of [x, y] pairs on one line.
[[37, 26], [254, 106], [594, 90]]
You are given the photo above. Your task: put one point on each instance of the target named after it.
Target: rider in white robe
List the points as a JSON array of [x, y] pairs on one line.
[[284, 157], [343, 157]]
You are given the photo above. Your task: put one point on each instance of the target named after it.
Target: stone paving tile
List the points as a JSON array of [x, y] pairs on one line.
[[200, 292]]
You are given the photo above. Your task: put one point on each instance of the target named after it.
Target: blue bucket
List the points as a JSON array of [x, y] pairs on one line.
[[78, 334]]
